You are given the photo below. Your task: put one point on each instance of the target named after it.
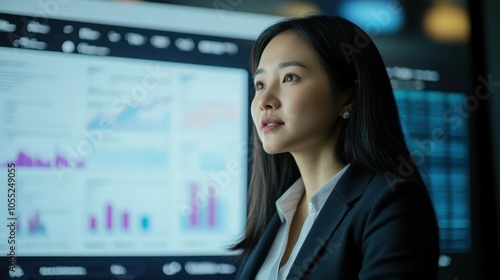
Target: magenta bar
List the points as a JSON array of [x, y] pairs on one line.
[[125, 219], [211, 207], [31, 226], [23, 159], [93, 223], [109, 216], [34, 223], [194, 206], [36, 220], [60, 161]]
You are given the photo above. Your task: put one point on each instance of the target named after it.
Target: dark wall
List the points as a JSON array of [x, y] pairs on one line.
[[491, 9]]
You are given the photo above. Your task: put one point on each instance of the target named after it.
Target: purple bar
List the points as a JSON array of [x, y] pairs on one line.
[[125, 219], [41, 163], [93, 223], [31, 227], [211, 207], [34, 223], [37, 220], [61, 162], [194, 205], [23, 159], [109, 216]]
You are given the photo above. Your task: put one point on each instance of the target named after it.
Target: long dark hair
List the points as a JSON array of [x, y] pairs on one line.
[[372, 138]]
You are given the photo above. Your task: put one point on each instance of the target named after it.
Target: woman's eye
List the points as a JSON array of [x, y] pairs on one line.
[[290, 78], [259, 86]]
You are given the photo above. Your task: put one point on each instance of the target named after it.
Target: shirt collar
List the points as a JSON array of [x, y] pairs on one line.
[[318, 199], [290, 199], [287, 203]]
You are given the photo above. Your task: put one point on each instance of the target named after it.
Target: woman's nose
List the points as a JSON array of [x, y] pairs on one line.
[[269, 101]]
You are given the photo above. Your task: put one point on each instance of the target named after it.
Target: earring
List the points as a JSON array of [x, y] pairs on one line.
[[346, 115]]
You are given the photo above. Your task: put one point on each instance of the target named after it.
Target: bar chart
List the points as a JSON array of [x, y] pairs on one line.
[[43, 213], [124, 209], [35, 225], [117, 220], [204, 212], [199, 217]]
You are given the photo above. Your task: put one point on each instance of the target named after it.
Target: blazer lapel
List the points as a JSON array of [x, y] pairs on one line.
[[349, 188], [259, 254]]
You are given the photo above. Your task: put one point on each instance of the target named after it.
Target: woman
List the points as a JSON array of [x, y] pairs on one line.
[[334, 192]]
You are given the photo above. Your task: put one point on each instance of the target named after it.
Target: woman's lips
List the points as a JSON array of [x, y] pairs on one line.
[[270, 123]]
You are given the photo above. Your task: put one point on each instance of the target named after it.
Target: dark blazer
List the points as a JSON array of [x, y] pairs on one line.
[[372, 226]]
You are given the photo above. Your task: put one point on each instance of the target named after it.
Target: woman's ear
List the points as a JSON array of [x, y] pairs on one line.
[[348, 102]]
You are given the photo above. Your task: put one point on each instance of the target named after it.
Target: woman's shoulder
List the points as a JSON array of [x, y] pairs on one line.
[[367, 185], [395, 184], [389, 194], [379, 181]]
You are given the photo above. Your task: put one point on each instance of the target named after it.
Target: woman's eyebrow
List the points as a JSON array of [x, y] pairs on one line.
[[291, 63], [281, 65]]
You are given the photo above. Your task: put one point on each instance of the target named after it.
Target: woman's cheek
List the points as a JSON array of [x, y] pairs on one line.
[[296, 105], [253, 111], [255, 116]]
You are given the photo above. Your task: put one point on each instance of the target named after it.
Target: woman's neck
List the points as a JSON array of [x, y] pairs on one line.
[[316, 168]]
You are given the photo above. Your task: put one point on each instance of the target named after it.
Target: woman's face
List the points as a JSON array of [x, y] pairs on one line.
[[293, 108]]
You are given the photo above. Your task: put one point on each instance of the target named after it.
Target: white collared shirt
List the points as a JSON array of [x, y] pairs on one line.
[[286, 206]]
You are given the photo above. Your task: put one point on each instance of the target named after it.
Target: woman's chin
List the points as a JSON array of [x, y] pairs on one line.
[[272, 150]]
